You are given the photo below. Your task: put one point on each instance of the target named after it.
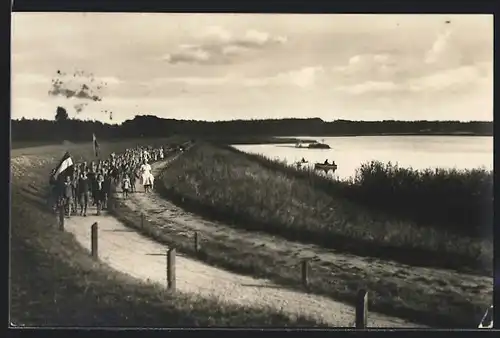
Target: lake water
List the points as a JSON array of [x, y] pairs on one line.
[[419, 152]]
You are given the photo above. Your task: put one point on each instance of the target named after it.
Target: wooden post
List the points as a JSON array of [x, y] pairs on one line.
[[61, 217], [93, 235], [196, 242], [171, 269], [362, 309], [305, 273]]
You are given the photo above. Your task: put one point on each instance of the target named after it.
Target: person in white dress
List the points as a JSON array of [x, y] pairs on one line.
[[146, 175]]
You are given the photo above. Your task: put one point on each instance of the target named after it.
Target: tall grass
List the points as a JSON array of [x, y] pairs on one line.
[[269, 196], [458, 201]]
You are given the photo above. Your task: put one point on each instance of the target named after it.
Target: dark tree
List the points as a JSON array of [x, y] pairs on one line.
[[61, 114]]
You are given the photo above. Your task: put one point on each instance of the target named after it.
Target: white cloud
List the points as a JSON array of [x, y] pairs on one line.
[[193, 81], [439, 47], [220, 46], [370, 87], [188, 54], [234, 50], [463, 77], [216, 33], [304, 78], [366, 63], [261, 38]]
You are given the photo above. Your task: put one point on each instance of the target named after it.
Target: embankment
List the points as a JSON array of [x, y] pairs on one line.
[[256, 197], [429, 295]]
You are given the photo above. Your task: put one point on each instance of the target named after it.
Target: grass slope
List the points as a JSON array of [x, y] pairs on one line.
[[440, 302], [256, 197]]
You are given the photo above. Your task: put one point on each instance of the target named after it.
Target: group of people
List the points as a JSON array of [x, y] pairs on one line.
[[91, 183], [303, 160]]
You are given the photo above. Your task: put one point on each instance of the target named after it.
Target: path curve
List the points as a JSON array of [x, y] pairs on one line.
[[130, 252], [127, 251]]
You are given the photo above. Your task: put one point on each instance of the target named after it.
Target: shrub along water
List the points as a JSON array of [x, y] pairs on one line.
[[256, 193], [459, 201]]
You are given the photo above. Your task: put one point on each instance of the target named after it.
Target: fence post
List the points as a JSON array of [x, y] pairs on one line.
[[362, 309], [142, 220], [94, 246], [61, 217], [196, 242], [171, 269], [305, 273]]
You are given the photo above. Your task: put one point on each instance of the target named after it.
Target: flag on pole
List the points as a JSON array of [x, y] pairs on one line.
[[95, 144], [64, 167]]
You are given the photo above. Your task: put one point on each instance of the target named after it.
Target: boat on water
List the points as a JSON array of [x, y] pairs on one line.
[[314, 145], [325, 167], [318, 146]]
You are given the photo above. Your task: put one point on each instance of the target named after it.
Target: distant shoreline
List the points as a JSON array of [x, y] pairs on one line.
[[313, 139]]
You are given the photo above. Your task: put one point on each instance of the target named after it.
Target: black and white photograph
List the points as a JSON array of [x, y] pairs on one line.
[[238, 170]]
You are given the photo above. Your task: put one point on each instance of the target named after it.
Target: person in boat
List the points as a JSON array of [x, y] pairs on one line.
[[333, 163], [326, 162], [303, 160]]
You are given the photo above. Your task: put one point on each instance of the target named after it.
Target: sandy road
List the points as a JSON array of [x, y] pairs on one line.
[[127, 251]]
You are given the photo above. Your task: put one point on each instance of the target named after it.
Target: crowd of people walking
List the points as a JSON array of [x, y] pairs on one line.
[[86, 184]]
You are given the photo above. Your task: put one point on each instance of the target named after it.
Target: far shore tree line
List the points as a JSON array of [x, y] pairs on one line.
[[65, 128]]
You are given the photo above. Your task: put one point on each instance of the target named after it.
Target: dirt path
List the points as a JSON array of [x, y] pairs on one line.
[[162, 211], [127, 251]]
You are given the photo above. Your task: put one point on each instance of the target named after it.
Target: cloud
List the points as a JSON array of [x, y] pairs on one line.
[[370, 87], [217, 33], [254, 38], [234, 50], [303, 78], [367, 63], [219, 46], [439, 47], [464, 79], [193, 81], [189, 54]]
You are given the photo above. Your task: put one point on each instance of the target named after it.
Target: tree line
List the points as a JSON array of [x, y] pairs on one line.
[[64, 128]]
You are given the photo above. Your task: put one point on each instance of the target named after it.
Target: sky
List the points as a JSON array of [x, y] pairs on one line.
[[253, 66]]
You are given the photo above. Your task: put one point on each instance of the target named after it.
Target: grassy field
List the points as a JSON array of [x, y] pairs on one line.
[[256, 197], [54, 282]]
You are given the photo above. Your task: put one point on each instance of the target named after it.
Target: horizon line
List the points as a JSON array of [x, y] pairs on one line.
[[251, 120]]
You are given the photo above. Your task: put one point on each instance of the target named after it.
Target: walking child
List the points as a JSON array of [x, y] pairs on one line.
[[83, 193], [126, 186], [68, 194]]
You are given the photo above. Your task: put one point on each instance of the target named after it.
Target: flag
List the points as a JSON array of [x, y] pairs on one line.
[[64, 167], [95, 145]]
